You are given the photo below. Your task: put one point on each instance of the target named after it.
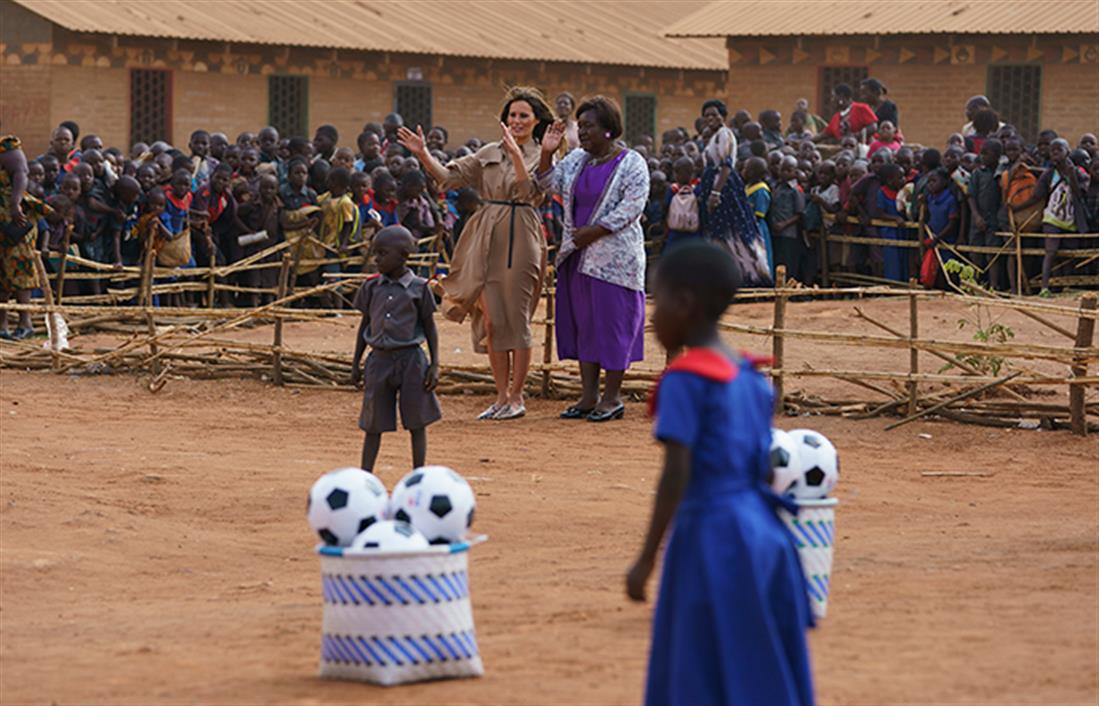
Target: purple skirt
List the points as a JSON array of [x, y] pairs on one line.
[[596, 321]]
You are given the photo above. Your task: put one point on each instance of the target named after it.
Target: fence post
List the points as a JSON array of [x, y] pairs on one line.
[[276, 350], [145, 298], [547, 351], [65, 242], [776, 336], [913, 353], [1085, 330], [211, 286], [51, 320]]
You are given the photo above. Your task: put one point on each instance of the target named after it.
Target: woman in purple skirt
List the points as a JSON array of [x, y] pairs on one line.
[[600, 318]]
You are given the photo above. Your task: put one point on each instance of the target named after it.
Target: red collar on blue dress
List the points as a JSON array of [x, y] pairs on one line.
[[706, 363]]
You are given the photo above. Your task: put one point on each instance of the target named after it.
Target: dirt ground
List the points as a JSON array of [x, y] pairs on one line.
[[154, 549]]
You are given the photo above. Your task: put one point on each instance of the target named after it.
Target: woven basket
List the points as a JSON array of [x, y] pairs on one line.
[[814, 531], [398, 617]]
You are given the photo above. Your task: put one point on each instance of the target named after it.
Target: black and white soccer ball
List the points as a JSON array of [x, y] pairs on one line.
[[785, 462], [345, 502], [435, 500], [818, 466], [390, 536]]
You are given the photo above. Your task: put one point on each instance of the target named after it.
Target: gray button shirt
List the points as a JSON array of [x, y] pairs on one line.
[[394, 310]]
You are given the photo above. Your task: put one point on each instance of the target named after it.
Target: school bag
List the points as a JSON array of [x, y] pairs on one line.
[[175, 252], [1018, 184], [1060, 211], [683, 211]]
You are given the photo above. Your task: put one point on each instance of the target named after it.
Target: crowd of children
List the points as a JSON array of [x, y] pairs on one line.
[[983, 182], [219, 201]]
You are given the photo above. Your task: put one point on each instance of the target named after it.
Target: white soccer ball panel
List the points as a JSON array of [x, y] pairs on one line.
[[436, 501], [818, 464], [345, 502], [785, 464], [390, 536]]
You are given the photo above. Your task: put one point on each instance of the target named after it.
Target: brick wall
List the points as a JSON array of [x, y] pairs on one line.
[[931, 99], [929, 77], [1070, 100], [25, 104], [217, 102], [346, 103], [97, 99]]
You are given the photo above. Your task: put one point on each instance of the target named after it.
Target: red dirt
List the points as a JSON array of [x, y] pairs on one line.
[[154, 547]]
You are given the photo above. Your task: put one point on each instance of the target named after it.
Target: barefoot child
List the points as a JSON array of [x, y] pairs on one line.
[[730, 621], [397, 309]]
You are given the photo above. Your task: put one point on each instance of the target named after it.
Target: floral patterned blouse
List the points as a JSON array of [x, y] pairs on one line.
[[618, 258]]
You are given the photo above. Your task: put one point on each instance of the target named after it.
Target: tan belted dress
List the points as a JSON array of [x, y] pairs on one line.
[[501, 257]]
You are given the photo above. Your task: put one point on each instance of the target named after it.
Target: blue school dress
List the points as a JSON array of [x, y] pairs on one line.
[[731, 617], [759, 196], [895, 264]]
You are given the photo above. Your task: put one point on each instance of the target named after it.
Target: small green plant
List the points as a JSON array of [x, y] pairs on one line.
[[986, 329]]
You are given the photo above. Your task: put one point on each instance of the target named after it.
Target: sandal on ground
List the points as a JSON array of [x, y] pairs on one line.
[[22, 333], [510, 412], [6, 336], [490, 413], [1045, 293], [616, 412], [576, 412]]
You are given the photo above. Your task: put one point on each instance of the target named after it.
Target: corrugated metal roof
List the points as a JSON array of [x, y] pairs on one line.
[[736, 18], [605, 32]]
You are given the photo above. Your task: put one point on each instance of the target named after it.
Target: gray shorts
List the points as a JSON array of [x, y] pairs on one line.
[[397, 375]]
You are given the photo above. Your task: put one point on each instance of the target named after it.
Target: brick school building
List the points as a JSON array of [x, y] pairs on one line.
[[132, 71], [1038, 62]]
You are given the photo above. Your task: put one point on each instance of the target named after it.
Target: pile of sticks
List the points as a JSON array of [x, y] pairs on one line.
[[165, 343]]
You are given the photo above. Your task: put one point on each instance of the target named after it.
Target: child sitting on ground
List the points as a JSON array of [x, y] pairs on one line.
[[398, 317], [725, 631], [681, 207]]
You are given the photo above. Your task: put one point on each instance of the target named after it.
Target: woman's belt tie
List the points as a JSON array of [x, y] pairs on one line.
[[511, 224]]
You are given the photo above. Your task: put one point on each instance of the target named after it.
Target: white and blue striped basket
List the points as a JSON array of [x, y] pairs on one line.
[[398, 617], [814, 531]]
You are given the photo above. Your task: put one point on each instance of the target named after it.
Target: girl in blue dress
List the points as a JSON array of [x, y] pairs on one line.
[[730, 621]]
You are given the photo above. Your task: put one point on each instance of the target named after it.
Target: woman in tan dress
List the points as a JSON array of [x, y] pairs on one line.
[[496, 273]]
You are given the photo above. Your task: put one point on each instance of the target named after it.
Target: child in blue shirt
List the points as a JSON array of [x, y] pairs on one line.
[[730, 621], [759, 196], [895, 260]]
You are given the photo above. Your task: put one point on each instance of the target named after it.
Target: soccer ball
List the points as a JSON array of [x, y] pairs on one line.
[[435, 500], [343, 503], [818, 466], [390, 536], [784, 462]]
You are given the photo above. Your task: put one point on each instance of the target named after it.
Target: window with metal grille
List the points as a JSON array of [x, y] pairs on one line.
[[150, 105], [413, 102], [1015, 93], [288, 105], [832, 76], [640, 117]]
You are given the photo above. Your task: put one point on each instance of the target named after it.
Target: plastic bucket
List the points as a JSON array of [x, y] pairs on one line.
[[398, 617], [814, 531]]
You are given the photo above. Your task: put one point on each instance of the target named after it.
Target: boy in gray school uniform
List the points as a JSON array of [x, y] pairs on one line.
[[397, 308]]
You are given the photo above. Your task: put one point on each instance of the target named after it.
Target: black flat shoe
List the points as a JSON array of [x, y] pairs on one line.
[[575, 412], [6, 336], [613, 413], [22, 333]]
